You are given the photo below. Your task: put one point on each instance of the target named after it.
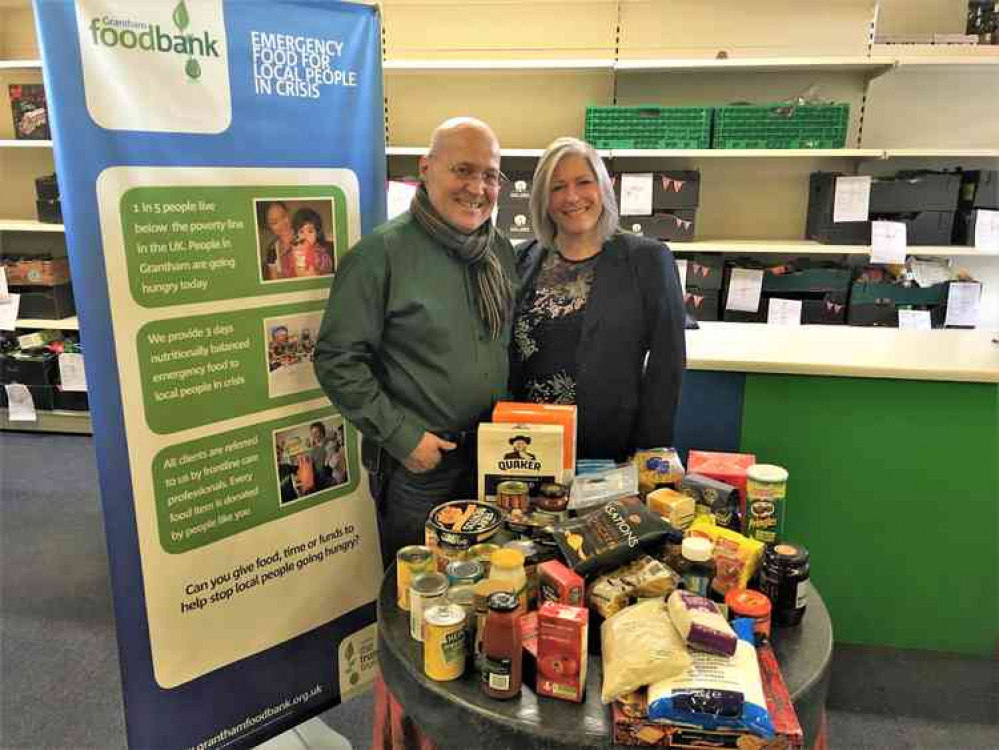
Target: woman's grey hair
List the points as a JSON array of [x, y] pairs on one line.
[[544, 228]]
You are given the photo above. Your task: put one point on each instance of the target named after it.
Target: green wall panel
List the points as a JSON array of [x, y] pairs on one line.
[[894, 489]]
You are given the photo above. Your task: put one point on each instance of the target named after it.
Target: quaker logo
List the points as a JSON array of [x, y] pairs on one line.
[[109, 31]]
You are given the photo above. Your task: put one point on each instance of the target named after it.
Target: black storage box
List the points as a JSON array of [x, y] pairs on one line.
[[817, 308], [980, 189], [915, 191], [704, 272], [924, 227], [49, 303], [964, 227], [515, 223], [33, 369], [806, 280], [49, 211], [47, 188], [877, 304], [674, 189], [42, 395], [70, 400], [702, 303], [819, 224], [515, 190], [676, 226]]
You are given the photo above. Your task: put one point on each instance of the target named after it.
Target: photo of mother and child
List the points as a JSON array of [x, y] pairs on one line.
[[293, 243]]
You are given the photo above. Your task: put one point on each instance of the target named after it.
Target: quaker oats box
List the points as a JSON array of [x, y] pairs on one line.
[[530, 453]]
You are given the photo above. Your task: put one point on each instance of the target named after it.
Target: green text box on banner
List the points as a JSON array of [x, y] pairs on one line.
[[215, 487], [201, 243], [208, 368]]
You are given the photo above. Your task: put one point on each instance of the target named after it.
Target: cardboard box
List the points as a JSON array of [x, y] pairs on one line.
[[528, 624], [514, 223], [559, 414], [915, 191], [37, 271], [819, 224], [38, 339], [876, 304], [702, 303], [678, 225], [729, 468], [979, 189], [788, 279], [672, 189], [559, 584], [562, 655], [30, 369], [531, 453], [515, 191], [30, 113]]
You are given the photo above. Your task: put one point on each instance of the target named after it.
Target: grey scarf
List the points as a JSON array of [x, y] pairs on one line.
[[494, 292]]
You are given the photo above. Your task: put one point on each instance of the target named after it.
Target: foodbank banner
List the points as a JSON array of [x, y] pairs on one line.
[[216, 161]]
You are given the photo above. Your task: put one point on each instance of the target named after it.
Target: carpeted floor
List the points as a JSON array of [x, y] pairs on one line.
[[59, 673]]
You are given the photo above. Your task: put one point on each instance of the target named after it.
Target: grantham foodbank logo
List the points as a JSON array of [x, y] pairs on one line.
[[107, 31]]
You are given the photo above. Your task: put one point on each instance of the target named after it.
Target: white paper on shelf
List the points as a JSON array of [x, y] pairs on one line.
[[914, 320], [681, 267], [784, 312], [744, 290], [636, 194], [71, 372], [8, 312], [852, 201], [930, 272], [987, 230], [4, 291], [888, 242], [20, 405], [400, 195], [963, 300]]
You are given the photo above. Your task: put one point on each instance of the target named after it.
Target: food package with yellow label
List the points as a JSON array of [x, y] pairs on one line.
[[530, 453]]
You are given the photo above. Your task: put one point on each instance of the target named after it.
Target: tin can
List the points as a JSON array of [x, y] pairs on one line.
[[766, 496], [481, 553], [463, 595], [464, 571], [752, 604], [424, 592], [411, 562], [444, 648], [513, 495]]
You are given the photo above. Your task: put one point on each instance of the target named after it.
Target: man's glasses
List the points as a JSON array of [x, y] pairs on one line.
[[466, 173]]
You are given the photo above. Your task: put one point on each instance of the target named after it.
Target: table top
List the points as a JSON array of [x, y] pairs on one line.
[[846, 351], [458, 714]]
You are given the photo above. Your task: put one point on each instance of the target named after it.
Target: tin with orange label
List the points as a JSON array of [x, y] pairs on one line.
[[444, 642], [411, 562], [752, 604]]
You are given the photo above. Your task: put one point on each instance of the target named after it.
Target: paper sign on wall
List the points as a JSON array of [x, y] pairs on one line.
[[8, 312], [4, 292], [681, 267], [888, 242], [853, 199], [987, 230], [744, 290], [914, 320], [20, 405], [784, 312], [636, 194], [71, 373], [963, 300]]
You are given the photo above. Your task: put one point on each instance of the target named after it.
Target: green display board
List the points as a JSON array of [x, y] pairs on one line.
[[894, 489]]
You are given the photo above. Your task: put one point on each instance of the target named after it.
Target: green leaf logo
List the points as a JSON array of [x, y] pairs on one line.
[[354, 677], [181, 19], [350, 651], [193, 68]]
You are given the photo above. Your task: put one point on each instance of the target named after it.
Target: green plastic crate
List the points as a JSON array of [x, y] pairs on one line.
[[648, 127], [781, 126]]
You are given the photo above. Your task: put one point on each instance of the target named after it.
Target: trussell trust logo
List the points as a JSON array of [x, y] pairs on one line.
[[127, 33], [155, 65]]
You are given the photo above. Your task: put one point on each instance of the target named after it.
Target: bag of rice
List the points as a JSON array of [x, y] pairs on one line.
[[640, 646], [700, 623]]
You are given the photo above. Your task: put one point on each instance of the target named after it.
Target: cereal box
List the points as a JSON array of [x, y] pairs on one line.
[[560, 414], [530, 453], [562, 655]]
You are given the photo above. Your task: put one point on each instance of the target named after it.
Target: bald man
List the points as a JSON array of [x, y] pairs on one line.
[[413, 346]]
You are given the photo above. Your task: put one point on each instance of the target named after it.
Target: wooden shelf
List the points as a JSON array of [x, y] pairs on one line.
[[809, 247], [77, 422], [28, 225], [66, 324], [25, 144], [20, 64]]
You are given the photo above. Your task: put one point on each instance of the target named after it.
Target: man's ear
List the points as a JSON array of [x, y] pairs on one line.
[[424, 166]]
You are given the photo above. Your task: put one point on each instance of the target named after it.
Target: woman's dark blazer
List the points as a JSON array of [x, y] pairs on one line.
[[625, 401]]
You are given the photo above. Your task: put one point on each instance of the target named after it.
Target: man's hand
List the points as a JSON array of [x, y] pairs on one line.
[[427, 454]]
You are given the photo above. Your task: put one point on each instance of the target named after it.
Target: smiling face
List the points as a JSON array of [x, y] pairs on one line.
[[574, 203], [307, 235], [278, 221], [465, 204]]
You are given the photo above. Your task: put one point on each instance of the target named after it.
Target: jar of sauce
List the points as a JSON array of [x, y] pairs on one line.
[[502, 648]]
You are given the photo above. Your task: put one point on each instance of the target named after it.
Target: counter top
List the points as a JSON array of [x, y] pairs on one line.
[[846, 351]]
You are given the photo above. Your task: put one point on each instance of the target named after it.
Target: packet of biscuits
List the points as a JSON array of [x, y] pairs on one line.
[[641, 578]]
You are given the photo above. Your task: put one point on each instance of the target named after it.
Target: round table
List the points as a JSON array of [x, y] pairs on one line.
[[458, 715]]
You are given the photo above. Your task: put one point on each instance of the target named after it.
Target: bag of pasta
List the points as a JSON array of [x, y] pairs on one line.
[[640, 646]]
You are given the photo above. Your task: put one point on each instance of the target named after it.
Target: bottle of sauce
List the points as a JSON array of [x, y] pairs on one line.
[[508, 565], [696, 566], [502, 648]]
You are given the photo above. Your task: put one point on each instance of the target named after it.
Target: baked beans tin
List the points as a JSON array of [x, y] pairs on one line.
[[411, 562], [444, 645], [513, 495], [424, 592], [464, 571]]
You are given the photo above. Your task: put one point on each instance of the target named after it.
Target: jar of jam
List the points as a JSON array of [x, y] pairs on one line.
[[502, 648], [552, 497], [784, 579]]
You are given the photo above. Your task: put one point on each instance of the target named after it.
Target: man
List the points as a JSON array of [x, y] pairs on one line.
[[520, 443], [413, 346]]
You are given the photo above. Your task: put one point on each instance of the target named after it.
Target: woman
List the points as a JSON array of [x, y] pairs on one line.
[[600, 316], [278, 220]]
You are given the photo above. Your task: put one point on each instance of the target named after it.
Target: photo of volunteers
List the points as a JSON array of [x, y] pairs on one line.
[[291, 344], [310, 458], [294, 238]]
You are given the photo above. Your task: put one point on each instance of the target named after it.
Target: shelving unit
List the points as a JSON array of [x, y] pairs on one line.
[[21, 162]]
